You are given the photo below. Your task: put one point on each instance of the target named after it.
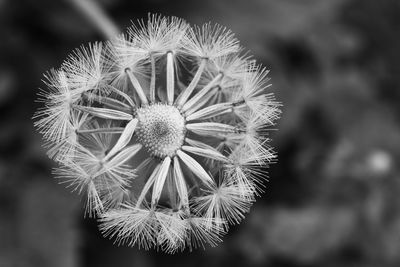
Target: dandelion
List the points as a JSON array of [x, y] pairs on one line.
[[164, 130]]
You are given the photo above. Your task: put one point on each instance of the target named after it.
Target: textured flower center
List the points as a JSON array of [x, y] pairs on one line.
[[161, 129]]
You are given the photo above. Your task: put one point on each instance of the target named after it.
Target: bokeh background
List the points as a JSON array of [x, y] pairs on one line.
[[333, 198]]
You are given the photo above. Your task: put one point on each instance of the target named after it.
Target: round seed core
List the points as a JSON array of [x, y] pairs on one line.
[[161, 129]]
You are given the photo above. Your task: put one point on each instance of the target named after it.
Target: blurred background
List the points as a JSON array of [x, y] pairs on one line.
[[333, 198]]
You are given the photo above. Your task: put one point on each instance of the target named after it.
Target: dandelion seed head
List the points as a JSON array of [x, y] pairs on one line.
[[163, 130]]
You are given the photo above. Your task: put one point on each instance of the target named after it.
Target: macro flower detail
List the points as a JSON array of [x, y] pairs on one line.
[[164, 130]]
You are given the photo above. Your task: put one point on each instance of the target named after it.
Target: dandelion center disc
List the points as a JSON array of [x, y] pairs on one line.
[[161, 129]]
